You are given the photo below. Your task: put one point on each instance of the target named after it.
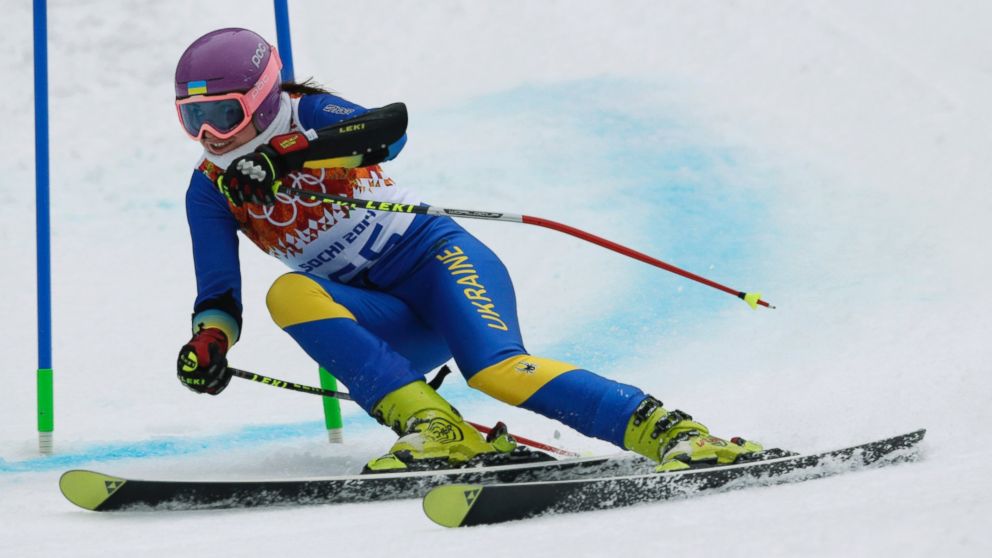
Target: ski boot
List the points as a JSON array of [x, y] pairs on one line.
[[433, 435], [677, 443]]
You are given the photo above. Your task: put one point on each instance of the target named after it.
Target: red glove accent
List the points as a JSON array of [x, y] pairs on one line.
[[202, 364]]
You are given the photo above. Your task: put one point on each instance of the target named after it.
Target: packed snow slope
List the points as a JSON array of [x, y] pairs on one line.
[[831, 155]]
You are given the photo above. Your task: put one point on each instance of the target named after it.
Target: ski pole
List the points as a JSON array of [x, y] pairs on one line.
[[752, 299], [434, 383]]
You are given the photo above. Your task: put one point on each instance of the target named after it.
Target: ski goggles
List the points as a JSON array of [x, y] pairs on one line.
[[227, 114]]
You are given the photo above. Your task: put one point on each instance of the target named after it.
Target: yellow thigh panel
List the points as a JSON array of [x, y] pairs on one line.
[[295, 299], [517, 378]]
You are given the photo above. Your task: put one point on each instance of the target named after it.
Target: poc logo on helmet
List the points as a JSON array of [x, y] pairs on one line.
[[260, 51]]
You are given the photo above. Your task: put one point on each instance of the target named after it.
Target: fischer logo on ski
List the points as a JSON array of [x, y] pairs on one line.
[[471, 495]]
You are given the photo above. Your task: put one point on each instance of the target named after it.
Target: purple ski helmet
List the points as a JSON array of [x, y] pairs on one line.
[[226, 61]]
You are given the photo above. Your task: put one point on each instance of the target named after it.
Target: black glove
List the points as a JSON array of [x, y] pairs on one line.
[[202, 366], [253, 178]]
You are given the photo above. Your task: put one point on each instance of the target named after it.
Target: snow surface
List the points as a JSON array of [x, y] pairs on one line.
[[833, 155]]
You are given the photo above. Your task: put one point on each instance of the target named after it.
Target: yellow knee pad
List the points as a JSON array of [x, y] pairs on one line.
[[517, 378], [295, 298]]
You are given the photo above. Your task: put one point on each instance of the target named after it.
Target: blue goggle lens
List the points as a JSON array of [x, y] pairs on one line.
[[224, 115]]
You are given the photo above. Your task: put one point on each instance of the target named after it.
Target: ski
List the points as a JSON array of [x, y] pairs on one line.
[[467, 504], [101, 492]]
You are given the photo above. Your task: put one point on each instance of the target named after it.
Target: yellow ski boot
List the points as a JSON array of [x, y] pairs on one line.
[[678, 443], [434, 436]]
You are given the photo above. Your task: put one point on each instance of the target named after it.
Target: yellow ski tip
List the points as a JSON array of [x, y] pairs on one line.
[[88, 489], [447, 505]]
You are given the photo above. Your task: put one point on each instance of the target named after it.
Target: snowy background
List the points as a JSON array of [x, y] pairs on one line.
[[832, 155]]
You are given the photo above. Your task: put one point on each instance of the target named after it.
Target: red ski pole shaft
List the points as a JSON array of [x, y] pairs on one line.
[[640, 256], [527, 441], [313, 390], [752, 299]]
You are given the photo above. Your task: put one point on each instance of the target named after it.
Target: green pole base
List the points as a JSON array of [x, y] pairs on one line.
[[46, 410], [332, 409]]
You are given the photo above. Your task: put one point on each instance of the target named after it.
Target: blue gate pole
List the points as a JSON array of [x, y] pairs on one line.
[[46, 414], [284, 40], [332, 407]]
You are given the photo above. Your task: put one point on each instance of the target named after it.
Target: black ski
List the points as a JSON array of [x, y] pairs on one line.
[[101, 492], [459, 505]]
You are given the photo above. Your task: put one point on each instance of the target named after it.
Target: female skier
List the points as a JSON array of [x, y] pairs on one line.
[[377, 298]]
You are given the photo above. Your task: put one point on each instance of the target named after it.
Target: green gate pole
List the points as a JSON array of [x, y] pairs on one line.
[[332, 409]]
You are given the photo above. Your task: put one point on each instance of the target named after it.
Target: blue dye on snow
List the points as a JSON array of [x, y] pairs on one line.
[[249, 436], [683, 187]]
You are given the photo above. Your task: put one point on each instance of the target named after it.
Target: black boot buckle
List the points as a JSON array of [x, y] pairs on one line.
[[645, 409], [669, 421]]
